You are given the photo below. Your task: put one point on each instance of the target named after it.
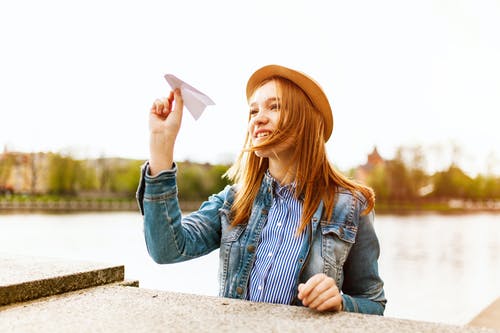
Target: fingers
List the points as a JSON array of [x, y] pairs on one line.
[[320, 292], [179, 102], [331, 304], [305, 289], [163, 106]]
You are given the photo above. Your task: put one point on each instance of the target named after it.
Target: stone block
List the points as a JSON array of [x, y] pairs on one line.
[[27, 278]]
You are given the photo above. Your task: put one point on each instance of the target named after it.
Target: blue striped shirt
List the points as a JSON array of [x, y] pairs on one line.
[[272, 278]]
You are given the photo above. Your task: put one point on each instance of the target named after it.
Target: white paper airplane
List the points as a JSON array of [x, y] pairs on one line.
[[194, 100]]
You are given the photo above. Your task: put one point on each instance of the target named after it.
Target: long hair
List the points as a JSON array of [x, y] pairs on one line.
[[315, 177]]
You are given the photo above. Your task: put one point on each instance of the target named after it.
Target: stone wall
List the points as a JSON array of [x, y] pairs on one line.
[[51, 295]]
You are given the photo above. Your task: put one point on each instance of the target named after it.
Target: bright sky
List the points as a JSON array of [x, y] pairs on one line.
[[81, 76]]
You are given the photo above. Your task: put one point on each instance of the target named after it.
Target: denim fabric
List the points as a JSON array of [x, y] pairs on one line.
[[345, 247]]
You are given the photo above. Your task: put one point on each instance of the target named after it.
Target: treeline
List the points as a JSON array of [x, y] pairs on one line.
[[103, 177], [404, 179], [61, 175], [120, 178]]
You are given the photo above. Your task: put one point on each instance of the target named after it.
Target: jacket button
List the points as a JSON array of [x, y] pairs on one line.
[[251, 248], [239, 290]]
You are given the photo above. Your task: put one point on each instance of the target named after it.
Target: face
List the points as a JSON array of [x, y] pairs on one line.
[[264, 117]]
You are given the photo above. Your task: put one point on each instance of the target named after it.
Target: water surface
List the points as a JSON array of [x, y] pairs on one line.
[[441, 268]]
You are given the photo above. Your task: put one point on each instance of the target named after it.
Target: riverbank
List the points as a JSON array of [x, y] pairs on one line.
[[66, 205], [442, 207], [76, 204]]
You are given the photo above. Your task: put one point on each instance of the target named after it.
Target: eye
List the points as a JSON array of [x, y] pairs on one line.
[[253, 112], [275, 107]]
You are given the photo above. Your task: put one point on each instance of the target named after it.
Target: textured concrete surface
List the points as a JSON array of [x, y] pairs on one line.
[[489, 317], [114, 308], [27, 278]]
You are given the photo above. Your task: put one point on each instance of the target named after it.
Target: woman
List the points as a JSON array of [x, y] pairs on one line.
[[292, 230]]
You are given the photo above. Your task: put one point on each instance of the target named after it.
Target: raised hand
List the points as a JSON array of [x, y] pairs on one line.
[[165, 119]]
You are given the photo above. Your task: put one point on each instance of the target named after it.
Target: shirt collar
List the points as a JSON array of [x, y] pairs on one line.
[[282, 191]]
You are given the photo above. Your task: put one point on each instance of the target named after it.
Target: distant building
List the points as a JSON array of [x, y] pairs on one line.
[[30, 173], [373, 160], [23, 172]]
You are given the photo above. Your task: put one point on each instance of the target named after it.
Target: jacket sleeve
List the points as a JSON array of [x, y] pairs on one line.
[[169, 236], [363, 289]]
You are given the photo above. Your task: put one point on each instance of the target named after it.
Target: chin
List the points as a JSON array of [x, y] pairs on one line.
[[262, 153]]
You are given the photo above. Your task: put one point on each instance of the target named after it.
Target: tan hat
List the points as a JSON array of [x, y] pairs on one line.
[[312, 89]]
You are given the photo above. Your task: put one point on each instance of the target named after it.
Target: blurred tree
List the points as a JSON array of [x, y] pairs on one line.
[[191, 182], [452, 183], [377, 180], [104, 171], [63, 172], [217, 181], [398, 179], [123, 178], [87, 178], [484, 188]]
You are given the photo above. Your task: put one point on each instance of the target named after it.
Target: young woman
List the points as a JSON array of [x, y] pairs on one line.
[[292, 230]]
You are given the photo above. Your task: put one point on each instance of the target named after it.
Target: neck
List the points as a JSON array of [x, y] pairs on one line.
[[282, 170]]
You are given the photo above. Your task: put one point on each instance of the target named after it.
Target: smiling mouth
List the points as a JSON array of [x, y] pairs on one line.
[[262, 135]]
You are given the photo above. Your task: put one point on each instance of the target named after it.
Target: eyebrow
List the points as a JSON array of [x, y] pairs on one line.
[[267, 101]]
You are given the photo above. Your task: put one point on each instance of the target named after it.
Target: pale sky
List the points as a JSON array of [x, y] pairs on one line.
[[80, 76]]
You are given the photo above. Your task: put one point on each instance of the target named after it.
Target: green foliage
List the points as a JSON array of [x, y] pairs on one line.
[[452, 183], [404, 179], [124, 178], [378, 180], [198, 181], [397, 181], [62, 176]]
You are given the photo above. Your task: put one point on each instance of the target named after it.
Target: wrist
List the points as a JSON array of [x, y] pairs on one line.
[[161, 139]]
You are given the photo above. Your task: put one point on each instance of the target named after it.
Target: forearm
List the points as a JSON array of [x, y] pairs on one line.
[[363, 288], [161, 151], [169, 236], [163, 231]]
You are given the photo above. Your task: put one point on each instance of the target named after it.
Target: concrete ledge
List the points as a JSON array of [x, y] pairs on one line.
[[53, 295], [26, 278], [489, 317], [114, 308]]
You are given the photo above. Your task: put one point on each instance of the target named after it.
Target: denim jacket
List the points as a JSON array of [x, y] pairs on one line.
[[345, 247]]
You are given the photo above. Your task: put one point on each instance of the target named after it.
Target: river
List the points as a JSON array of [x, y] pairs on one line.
[[439, 268]]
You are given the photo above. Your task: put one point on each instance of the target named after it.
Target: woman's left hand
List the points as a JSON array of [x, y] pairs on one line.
[[321, 293]]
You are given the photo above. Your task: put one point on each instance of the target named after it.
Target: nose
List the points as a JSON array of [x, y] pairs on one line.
[[260, 118]]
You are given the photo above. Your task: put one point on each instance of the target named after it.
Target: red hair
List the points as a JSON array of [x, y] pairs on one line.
[[315, 177]]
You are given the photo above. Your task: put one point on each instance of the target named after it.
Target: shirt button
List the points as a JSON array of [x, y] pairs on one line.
[[259, 287], [239, 290], [279, 224], [270, 254], [251, 248]]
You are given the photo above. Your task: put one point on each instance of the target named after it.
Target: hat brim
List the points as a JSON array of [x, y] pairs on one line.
[[312, 89]]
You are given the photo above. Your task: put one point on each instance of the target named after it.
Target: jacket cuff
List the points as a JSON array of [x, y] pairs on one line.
[[349, 304], [157, 185]]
